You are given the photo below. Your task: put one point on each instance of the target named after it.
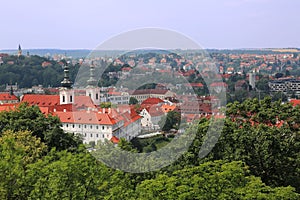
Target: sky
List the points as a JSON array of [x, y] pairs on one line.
[[220, 24]]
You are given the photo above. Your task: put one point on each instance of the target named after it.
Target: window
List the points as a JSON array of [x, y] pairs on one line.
[[91, 127], [63, 98], [91, 135], [84, 126], [73, 125], [85, 135], [97, 96], [79, 126], [102, 127], [71, 98], [67, 125], [97, 127], [97, 135]]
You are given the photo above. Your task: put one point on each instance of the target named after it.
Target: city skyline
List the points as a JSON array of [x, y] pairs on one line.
[[231, 24]]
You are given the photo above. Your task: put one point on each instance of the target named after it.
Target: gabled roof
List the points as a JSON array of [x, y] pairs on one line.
[[83, 101], [152, 101], [7, 97], [154, 110]]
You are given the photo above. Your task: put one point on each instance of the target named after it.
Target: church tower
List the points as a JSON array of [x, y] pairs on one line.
[[92, 89], [66, 93], [19, 51]]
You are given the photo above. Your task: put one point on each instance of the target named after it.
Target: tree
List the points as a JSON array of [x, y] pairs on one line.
[[48, 129], [133, 101], [170, 121], [17, 151], [105, 105], [211, 180], [264, 135]]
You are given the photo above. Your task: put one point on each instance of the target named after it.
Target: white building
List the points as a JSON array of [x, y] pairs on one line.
[[151, 117], [100, 126]]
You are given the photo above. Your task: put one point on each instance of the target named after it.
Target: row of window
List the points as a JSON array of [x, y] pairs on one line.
[[85, 126], [64, 98], [96, 135]]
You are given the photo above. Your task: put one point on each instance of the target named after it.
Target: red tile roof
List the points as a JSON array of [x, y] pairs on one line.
[[41, 99], [115, 140], [194, 84], [7, 97], [83, 101], [218, 84], [166, 108], [83, 117], [154, 110], [295, 102], [152, 101], [8, 107]]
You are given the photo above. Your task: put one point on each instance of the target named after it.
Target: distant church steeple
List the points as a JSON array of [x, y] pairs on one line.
[[92, 90], [92, 81], [66, 93], [66, 82], [19, 51]]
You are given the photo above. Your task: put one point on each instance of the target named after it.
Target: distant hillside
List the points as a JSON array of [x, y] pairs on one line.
[[31, 71]]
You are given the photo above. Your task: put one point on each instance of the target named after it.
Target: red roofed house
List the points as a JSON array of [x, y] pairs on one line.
[[6, 98], [79, 114], [152, 101], [151, 116]]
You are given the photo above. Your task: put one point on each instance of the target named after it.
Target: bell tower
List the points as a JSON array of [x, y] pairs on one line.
[[19, 51], [92, 89], [66, 93]]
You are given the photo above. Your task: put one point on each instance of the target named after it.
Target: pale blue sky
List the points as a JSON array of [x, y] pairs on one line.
[[78, 24]]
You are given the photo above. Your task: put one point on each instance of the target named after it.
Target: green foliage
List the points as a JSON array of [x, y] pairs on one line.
[[170, 121], [211, 180], [251, 134], [17, 151], [150, 144], [133, 101], [253, 159], [28, 71], [48, 129], [105, 105]]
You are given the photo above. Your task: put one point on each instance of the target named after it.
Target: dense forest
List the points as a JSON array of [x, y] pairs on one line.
[[30, 71], [256, 157]]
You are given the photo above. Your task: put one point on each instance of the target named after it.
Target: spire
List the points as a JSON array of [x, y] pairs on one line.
[[92, 81], [66, 82], [11, 92], [19, 50]]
